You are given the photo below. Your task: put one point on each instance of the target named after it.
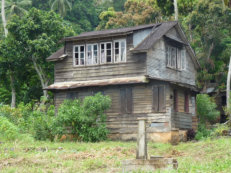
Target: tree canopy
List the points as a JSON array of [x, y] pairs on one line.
[[35, 31]]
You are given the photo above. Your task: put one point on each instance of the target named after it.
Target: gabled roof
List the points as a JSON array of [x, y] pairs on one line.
[[159, 30], [58, 55], [154, 36], [109, 32]]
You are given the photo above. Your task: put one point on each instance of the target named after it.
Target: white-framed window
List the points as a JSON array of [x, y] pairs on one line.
[[176, 58], [120, 50], [79, 55], [92, 57], [106, 52]]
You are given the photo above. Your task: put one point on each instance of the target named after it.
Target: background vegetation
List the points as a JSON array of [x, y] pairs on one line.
[[24, 71]]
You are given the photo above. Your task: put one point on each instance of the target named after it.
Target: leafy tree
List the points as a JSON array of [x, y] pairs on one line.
[[136, 13], [83, 16], [41, 4], [61, 6], [211, 38], [39, 33], [17, 7], [11, 63]]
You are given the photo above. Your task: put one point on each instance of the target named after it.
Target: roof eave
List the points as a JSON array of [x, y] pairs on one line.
[[95, 36]]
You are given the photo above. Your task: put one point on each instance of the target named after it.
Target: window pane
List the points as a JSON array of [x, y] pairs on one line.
[[116, 45], [95, 54], [76, 49], [109, 55], [95, 47], [82, 58], [123, 54], [123, 44], [82, 48], [173, 57], [89, 48], [108, 45], [89, 54], [76, 59], [102, 54]]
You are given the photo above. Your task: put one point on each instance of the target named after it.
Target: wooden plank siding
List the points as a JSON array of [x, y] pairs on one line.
[[135, 65], [142, 103], [182, 118]]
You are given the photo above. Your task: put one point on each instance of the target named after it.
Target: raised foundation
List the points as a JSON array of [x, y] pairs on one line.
[[164, 137]]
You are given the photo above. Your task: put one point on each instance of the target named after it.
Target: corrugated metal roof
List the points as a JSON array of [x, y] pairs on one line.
[[111, 32], [59, 54], [104, 82], [155, 35]]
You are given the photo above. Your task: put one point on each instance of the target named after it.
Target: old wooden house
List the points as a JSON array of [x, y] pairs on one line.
[[148, 71]]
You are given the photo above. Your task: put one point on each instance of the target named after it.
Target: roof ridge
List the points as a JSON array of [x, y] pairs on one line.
[[114, 31]]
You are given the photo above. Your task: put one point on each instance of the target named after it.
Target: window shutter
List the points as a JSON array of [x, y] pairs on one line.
[[129, 100], [183, 59], [123, 100], [175, 101], [155, 99], [186, 102], [161, 107]]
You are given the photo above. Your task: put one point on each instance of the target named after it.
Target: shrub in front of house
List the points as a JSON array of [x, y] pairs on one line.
[[84, 119], [207, 114]]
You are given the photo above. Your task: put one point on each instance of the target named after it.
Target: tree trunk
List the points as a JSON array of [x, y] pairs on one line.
[[228, 89], [210, 51], [4, 18], [13, 92], [42, 77], [190, 32], [175, 9], [223, 4]]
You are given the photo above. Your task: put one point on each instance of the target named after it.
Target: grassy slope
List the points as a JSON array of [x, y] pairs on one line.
[[204, 156]]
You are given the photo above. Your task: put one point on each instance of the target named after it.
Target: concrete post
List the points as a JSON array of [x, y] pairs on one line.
[[141, 152]]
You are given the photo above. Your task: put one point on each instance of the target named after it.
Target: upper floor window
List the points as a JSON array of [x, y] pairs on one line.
[[92, 54], [175, 58], [99, 53], [120, 51], [79, 55], [106, 52]]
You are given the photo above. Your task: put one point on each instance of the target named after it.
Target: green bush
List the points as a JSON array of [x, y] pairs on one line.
[[202, 132], [42, 124], [206, 108], [207, 113], [83, 118], [220, 130], [8, 130]]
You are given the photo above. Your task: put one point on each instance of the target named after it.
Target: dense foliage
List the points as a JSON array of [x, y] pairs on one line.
[[207, 113], [83, 119], [206, 109], [34, 35]]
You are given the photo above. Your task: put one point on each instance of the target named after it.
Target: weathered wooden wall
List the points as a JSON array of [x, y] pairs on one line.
[[142, 98], [135, 65], [182, 119], [157, 65]]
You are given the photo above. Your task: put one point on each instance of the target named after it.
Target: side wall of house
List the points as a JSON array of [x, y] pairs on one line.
[[180, 118], [134, 66], [157, 64], [124, 126]]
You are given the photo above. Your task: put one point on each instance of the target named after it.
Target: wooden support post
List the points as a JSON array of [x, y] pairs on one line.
[[141, 152]]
